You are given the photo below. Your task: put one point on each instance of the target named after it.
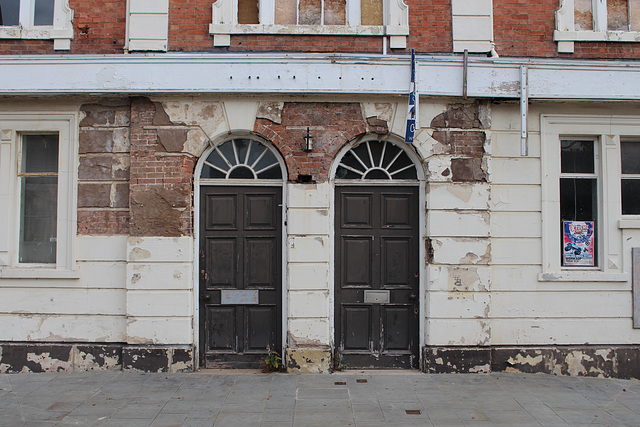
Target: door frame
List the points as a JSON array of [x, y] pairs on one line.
[[197, 184], [422, 227]]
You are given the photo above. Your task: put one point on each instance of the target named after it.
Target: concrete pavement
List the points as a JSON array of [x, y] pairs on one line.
[[352, 398]]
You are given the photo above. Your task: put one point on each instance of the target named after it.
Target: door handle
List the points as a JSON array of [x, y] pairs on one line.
[[413, 297], [205, 297]]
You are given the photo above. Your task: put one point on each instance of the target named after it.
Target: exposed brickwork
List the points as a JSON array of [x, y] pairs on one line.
[[460, 128], [99, 28], [520, 29], [524, 28], [103, 174], [331, 124], [161, 175]]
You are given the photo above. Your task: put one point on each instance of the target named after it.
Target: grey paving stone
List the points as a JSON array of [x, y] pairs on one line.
[[232, 419], [323, 393], [167, 420]]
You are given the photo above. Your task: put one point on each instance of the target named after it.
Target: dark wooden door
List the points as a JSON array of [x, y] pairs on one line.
[[240, 275], [377, 270]]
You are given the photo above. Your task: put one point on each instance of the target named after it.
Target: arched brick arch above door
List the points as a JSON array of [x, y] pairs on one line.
[[330, 124]]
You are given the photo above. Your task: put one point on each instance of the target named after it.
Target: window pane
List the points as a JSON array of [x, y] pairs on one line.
[[371, 12], [43, 13], [248, 12], [38, 217], [578, 202], [631, 197], [39, 154], [309, 12], [634, 12], [617, 15], [578, 199], [577, 157], [286, 12], [630, 157], [334, 12], [9, 12], [583, 15]]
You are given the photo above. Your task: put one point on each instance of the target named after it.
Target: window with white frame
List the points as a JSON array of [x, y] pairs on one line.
[[630, 184], [596, 20], [337, 17], [585, 195], [37, 19], [37, 195]]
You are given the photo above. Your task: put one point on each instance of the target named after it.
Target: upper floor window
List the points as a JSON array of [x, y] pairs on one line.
[[596, 20], [37, 19], [26, 13], [336, 17]]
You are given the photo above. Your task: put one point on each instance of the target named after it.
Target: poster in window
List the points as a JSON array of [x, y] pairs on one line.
[[578, 243]]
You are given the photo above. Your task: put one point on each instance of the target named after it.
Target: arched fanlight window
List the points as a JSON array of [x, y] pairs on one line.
[[241, 159], [376, 160]]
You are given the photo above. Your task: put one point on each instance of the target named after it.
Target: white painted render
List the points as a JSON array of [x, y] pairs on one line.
[[485, 285]]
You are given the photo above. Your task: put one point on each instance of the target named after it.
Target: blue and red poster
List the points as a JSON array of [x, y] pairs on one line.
[[578, 243]]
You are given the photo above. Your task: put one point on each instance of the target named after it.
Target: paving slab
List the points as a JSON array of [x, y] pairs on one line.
[[351, 398]]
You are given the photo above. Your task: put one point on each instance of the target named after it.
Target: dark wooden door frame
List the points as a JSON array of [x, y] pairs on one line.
[[209, 297], [375, 311]]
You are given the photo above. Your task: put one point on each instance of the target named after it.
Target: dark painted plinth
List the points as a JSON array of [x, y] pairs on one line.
[[590, 361], [70, 357]]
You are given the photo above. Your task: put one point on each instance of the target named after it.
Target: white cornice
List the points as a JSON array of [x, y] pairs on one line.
[[315, 74]]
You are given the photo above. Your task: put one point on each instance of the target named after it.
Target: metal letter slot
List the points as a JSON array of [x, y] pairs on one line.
[[233, 296], [377, 297]]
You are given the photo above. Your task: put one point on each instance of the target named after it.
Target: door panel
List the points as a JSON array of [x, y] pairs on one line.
[[377, 259], [240, 255], [357, 318], [221, 258]]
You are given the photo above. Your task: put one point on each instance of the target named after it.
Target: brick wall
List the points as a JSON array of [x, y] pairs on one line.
[[161, 174], [103, 174], [521, 28], [98, 26], [524, 28], [331, 125]]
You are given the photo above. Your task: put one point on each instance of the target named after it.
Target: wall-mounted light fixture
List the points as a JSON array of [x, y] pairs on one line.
[[308, 142]]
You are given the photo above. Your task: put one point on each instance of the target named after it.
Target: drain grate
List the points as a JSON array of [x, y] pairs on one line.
[[413, 411], [340, 383], [361, 380]]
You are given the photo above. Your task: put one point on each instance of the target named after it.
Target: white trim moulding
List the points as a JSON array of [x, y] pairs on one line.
[[315, 73]]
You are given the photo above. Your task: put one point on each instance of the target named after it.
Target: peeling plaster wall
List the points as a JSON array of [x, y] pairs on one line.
[[454, 140], [89, 309]]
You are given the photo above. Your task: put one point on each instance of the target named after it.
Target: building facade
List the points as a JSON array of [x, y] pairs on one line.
[[197, 184]]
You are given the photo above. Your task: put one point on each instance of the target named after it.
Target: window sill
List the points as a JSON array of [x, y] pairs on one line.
[[629, 223], [595, 36], [363, 30], [583, 276], [61, 37], [38, 273]]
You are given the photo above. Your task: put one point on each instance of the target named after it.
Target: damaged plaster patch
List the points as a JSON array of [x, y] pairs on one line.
[[381, 110], [271, 111], [462, 192], [197, 141], [172, 140], [207, 115], [463, 282], [138, 254], [157, 211], [464, 116]]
